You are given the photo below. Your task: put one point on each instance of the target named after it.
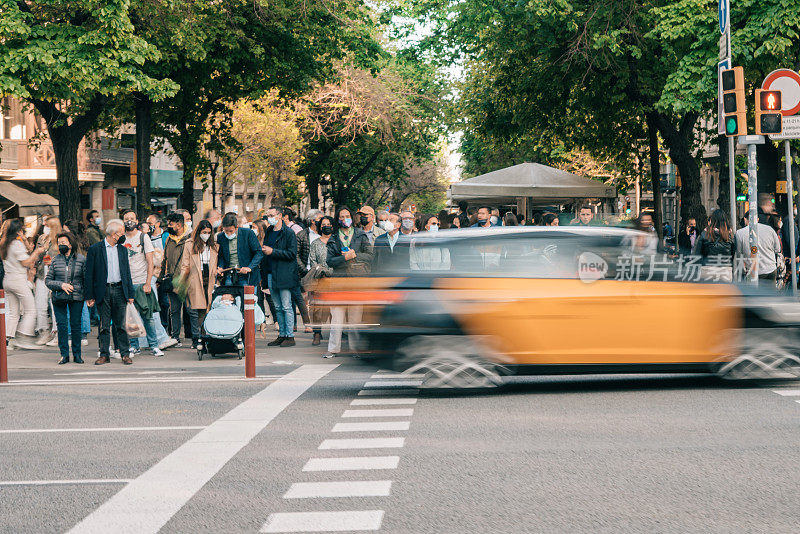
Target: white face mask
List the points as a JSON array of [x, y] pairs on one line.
[[408, 224], [387, 225], [272, 221], [188, 224], [205, 237], [46, 230], [216, 223], [97, 221], [230, 236], [434, 228]]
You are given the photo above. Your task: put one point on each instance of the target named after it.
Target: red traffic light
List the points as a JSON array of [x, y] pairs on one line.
[[770, 100]]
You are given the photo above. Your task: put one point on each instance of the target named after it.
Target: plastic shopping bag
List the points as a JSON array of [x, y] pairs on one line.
[[133, 322]]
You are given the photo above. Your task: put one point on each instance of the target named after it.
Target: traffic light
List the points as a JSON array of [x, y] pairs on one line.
[[768, 112], [733, 105]]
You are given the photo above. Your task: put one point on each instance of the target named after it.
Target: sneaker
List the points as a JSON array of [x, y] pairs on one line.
[[134, 351], [52, 343], [170, 342], [44, 337], [158, 352], [26, 342], [288, 342], [329, 355], [115, 355], [84, 342]]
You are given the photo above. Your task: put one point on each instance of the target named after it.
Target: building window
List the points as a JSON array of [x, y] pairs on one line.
[[12, 126]]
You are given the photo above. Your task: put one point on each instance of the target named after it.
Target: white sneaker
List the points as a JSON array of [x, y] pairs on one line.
[[329, 355], [52, 343], [115, 355], [44, 337], [170, 342], [158, 352], [84, 342], [133, 351]]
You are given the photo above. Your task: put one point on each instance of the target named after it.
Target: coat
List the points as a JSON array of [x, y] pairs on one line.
[[249, 250], [303, 249], [96, 273], [192, 267], [70, 271], [283, 260], [358, 243], [388, 260]]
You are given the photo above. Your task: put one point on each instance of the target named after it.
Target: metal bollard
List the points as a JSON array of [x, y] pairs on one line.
[[249, 332], [3, 347]]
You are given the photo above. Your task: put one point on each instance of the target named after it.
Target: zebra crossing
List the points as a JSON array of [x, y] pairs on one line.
[[363, 475]]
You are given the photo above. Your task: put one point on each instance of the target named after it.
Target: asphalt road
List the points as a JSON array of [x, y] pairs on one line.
[[555, 454]]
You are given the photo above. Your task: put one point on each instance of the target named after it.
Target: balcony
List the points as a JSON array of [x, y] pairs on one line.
[[9, 159]]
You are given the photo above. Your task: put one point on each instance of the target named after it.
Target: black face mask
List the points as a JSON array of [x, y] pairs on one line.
[[364, 220], [327, 230], [63, 249], [171, 231], [131, 226]]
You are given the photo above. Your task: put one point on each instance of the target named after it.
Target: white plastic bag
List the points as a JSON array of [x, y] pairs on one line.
[[133, 322]]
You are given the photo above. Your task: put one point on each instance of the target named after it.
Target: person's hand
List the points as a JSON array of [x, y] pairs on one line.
[[267, 250], [244, 270], [67, 288], [220, 271], [147, 288], [130, 301], [349, 255], [48, 261], [90, 302]]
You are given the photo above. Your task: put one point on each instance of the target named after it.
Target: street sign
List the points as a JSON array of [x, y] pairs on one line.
[[780, 186], [751, 140], [791, 129], [725, 64], [723, 10], [788, 83]]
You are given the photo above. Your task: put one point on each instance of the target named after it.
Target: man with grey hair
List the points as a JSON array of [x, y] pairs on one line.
[[307, 236], [107, 282]]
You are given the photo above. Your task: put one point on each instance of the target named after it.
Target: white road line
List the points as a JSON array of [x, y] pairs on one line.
[[787, 392], [393, 383], [65, 482], [107, 429], [149, 380], [148, 503], [384, 392], [360, 488], [384, 376], [362, 443], [324, 521], [391, 412], [377, 402], [352, 464], [371, 427]]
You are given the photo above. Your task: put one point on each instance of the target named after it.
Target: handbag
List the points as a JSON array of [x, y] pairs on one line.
[[59, 295], [313, 274]]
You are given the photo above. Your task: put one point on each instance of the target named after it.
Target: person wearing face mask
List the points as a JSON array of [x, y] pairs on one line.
[[239, 248], [425, 256], [107, 283], [366, 217], [93, 232], [349, 254], [215, 218], [484, 218], [198, 265], [407, 223], [179, 235], [392, 248], [140, 257], [47, 242], [280, 271], [688, 237], [318, 265], [65, 279]]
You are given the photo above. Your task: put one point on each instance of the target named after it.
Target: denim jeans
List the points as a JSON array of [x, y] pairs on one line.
[[68, 320], [86, 325], [284, 312], [149, 328]]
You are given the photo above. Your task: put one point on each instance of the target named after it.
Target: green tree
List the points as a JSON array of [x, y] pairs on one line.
[[69, 60]]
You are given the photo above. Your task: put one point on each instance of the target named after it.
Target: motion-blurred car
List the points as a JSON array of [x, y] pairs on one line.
[[484, 303]]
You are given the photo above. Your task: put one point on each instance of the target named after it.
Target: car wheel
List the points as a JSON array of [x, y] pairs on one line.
[[447, 362], [764, 353]]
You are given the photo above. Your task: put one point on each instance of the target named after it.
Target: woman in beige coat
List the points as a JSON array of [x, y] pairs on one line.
[[199, 263]]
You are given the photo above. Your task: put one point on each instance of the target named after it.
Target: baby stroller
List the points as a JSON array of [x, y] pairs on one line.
[[223, 325]]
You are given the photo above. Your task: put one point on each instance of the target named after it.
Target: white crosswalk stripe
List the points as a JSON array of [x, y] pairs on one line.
[[357, 463], [384, 392], [362, 443], [391, 412], [371, 426], [350, 488], [379, 402], [324, 521]]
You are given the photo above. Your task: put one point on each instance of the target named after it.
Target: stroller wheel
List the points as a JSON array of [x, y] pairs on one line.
[[240, 352], [200, 354]]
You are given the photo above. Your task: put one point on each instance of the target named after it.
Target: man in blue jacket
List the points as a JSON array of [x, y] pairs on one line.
[[107, 282], [239, 247]]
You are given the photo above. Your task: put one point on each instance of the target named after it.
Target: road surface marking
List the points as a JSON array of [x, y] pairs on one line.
[[371, 427], [392, 383], [352, 464], [787, 392], [375, 402], [363, 443], [65, 482], [382, 376], [391, 412], [108, 429], [150, 501], [148, 380], [376, 392], [360, 488], [324, 521]]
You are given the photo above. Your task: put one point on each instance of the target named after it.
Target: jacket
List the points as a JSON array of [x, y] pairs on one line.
[[96, 273], [173, 252], [358, 243], [146, 303], [249, 250], [705, 247], [303, 249], [387, 260], [192, 267], [93, 234], [66, 270], [283, 260]]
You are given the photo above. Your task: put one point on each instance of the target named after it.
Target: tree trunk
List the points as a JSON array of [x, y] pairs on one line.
[[312, 186], [655, 175], [677, 141], [144, 122], [65, 146], [187, 196]]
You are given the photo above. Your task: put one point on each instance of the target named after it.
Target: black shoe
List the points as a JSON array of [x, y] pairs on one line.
[[277, 342], [317, 339], [195, 343], [63, 360], [288, 342], [77, 359]]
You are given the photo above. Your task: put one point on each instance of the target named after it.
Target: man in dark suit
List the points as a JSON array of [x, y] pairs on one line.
[[107, 282], [239, 247], [391, 249]]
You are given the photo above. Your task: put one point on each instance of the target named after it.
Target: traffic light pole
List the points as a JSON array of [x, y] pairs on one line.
[[792, 219], [732, 180], [752, 193]]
